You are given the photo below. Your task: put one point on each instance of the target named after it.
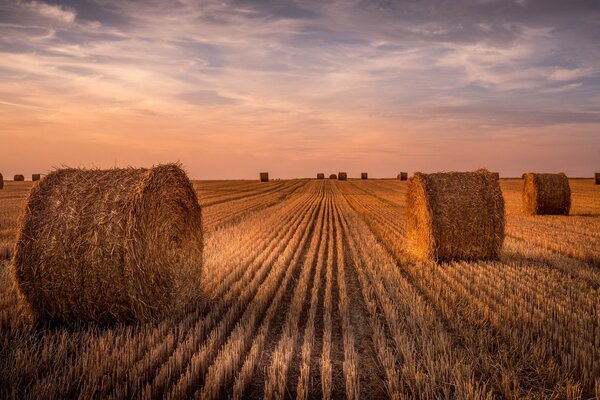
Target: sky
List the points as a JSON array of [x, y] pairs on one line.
[[233, 87]]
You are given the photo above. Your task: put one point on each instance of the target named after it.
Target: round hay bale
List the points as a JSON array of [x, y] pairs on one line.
[[364, 175], [35, 177], [496, 175], [403, 176], [320, 175], [342, 176], [546, 194], [454, 216], [110, 245], [333, 176], [597, 178], [19, 178], [264, 177], [1, 182]]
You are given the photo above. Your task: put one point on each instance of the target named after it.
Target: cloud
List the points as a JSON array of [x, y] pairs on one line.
[[205, 97], [569, 74], [54, 12]]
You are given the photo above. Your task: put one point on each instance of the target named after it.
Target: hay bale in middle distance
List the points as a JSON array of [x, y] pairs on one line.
[[19, 178], [333, 176], [546, 194], [403, 176], [342, 176], [597, 178], [110, 245], [35, 177], [1, 182], [264, 177], [364, 175], [454, 216], [320, 175]]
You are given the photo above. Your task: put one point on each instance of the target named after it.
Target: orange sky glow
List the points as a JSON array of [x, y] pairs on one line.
[[232, 88]]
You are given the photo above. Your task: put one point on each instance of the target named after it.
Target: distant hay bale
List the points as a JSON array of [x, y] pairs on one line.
[[333, 176], [19, 178], [109, 245], [342, 176], [264, 177], [35, 177], [546, 194], [597, 178], [320, 175], [454, 216], [1, 182], [364, 175], [496, 175], [403, 176]]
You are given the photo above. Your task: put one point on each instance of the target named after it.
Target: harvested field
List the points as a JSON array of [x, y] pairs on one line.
[[308, 292]]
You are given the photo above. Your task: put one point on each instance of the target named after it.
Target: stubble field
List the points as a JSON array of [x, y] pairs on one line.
[[307, 292]]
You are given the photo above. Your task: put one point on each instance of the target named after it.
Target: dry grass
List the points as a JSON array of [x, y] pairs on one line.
[[310, 293], [109, 245]]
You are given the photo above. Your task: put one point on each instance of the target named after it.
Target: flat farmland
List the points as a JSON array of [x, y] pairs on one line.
[[307, 292]]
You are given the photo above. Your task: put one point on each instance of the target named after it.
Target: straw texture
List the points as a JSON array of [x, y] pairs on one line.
[[454, 216], [546, 194], [110, 245]]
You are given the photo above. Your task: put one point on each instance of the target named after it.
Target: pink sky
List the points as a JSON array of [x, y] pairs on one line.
[[295, 88]]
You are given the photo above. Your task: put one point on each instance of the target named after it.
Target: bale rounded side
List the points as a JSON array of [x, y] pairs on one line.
[[546, 194], [320, 175], [333, 176], [454, 216], [110, 245], [19, 178], [35, 177]]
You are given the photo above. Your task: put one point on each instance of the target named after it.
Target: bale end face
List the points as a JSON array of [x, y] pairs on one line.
[[19, 178], [454, 216], [122, 245], [546, 194], [364, 175], [264, 177], [320, 176], [342, 176]]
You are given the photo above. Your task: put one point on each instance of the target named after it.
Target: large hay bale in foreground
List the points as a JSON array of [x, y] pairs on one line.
[[110, 245], [342, 176], [546, 194], [1, 182], [597, 178], [264, 177], [320, 175], [333, 176], [35, 177], [454, 216], [364, 175], [19, 178], [403, 176]]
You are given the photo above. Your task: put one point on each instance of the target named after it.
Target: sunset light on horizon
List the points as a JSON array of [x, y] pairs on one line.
[[230, 88]]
